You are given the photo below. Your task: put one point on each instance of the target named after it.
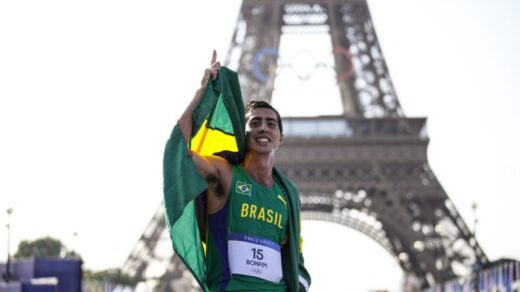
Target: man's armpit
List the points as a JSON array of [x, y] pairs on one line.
[[214, 185]]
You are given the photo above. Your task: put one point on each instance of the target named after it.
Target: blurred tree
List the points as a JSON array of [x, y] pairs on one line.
[[114, 276], [42, 247]]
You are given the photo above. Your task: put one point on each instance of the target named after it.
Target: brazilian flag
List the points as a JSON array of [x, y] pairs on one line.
[[218, 129]]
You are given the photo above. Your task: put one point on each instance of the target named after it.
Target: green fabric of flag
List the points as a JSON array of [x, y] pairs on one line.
[[221, 107]]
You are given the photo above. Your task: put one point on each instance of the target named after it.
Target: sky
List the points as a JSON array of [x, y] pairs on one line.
[[90, 90]]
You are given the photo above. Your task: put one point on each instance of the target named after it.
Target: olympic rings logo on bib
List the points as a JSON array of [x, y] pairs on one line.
[[254, 256]]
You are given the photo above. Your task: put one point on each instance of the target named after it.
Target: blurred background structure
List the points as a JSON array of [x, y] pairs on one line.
[[90, 91]]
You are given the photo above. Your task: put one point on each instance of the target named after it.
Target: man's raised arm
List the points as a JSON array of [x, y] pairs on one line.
[[186, 120], [215, 170]]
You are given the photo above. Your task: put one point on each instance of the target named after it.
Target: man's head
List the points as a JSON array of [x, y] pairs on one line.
[[263, 127], [254, 104]]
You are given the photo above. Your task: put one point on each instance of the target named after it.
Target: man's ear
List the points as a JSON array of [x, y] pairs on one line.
[[281, 138]]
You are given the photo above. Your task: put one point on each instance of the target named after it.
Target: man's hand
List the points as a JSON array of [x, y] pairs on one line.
[[215, 65], [211, 72]]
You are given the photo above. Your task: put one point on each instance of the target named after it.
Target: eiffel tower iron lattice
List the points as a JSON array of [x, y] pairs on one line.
[[366, 169]]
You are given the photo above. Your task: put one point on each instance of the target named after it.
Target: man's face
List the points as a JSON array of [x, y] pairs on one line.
[[262, 132]]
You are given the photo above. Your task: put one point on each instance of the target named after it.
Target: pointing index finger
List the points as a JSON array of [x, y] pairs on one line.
[[214, 57]]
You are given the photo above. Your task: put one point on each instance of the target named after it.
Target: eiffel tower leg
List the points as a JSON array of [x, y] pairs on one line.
[[256, 40], [343, 59], [149, 255], [177, 278], [368, 90]]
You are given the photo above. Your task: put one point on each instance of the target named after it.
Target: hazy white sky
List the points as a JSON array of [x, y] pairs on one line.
[[90, 90]]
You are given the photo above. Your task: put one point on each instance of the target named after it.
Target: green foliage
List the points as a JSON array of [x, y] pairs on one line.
[[114, 276], [42, 247]]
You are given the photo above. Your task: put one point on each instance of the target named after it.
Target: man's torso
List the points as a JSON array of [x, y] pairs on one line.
[[245, 237]]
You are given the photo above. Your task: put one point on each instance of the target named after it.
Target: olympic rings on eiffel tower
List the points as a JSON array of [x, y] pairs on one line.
[[262, 55]]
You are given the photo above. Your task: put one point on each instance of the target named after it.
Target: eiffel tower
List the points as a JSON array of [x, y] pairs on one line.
[[366, 168]]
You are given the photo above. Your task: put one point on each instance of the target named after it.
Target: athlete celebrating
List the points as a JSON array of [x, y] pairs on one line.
[[252, 233]]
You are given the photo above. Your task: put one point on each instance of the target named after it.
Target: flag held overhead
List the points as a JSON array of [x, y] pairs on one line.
[[218, 129]]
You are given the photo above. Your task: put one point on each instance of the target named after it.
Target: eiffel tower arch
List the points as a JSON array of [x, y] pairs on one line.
[[366, 168]]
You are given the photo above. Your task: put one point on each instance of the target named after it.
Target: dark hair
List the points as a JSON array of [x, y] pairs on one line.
[[254, 104]]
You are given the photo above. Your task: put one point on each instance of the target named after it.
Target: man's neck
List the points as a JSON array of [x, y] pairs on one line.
[[260, 168]]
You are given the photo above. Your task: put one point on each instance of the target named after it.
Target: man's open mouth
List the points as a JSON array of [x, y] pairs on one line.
[[263, 140]]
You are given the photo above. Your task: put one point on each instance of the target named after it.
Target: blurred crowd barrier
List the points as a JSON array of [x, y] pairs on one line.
[[500, 276]]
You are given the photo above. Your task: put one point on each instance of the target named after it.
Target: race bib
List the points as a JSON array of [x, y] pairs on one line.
[[254, 256]]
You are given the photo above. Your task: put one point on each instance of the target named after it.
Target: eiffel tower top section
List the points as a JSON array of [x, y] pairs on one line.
[[365, 86]]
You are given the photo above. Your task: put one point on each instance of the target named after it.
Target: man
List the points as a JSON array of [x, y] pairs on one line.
[[252, 229]]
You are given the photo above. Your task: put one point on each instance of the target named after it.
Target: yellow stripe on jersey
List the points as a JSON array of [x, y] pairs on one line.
[[282, 199]]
